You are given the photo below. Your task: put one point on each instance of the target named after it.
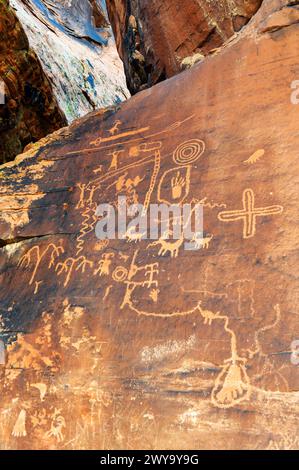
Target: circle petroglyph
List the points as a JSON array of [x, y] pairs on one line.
[[120, 274]]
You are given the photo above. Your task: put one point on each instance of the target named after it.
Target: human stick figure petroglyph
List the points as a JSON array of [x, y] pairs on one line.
[[115, 127], [185, 152], [81, 202], [73, 264], [139, 133], [249, 214], [104, 265], [115, 159], [232, 386]]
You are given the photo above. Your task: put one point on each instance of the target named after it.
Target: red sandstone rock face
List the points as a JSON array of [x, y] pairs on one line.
[[30, 111], [141, 344], [154, 37]]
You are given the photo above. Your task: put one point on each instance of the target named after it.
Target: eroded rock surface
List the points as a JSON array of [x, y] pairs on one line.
[[30, 111], [133, 343], [154, 37]]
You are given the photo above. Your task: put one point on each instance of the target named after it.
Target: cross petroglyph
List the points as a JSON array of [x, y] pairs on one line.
[[249, 213]]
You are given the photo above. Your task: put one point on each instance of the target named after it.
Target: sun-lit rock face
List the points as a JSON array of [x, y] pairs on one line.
[[74, 43], [30, 110], [154, 37]]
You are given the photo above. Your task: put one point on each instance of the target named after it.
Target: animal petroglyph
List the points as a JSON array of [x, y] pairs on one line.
[[172, 247], [141, 287], [149, 272], [133, 136], [86, 195], [202, 241], [167, 247], [57, 425], [133, 237], [255, 157]]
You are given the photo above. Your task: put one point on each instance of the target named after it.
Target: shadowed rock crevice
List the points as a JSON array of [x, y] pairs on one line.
[[30, 110], [158, 39]]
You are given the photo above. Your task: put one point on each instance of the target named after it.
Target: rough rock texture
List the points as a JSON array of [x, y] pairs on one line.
[[130, 343], [77, 50], [154, 37], [30, 111]]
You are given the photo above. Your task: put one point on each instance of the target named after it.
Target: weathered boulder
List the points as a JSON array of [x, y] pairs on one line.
[[123, 344], [154, 37], [30, 111], [74, 42]]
